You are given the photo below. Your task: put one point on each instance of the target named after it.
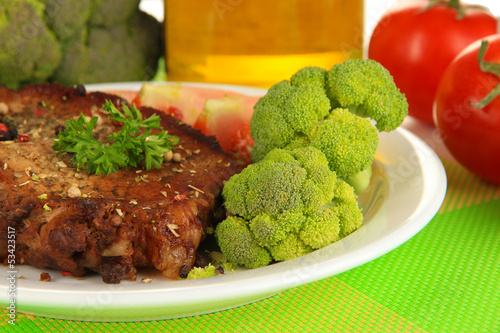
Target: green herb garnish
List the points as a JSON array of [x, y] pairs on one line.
[[131, 146]]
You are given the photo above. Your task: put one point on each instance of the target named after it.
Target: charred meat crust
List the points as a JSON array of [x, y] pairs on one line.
[[69, 220]]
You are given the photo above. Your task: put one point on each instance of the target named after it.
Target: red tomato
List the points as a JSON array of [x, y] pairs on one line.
[[471, 134], [3, 128], [417, 45]]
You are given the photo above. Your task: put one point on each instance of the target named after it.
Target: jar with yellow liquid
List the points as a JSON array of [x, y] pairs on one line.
[[258, 42]]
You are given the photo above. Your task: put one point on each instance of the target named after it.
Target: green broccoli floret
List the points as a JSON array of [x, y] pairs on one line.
[[201, 272], [94, 53], [321, 228], [291, 247], [309, 76], [108, 13], [67, 26], [77, 42], [75, 59], [286, 205], [238, 245], [218, 258], [268, 126], [271, 229], [138, 37], [306, 111], [367, 89], [346, 208], [29, 50], [348, 141], [361, 180], [298, 180]]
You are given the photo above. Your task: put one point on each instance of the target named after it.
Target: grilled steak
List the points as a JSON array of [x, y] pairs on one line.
[[73, 221]]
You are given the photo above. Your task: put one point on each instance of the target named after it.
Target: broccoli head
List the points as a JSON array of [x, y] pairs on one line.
[[309, 76], [108, 13], [306, 111], [201, 272], [133, 58], [284, 206], [77, 42], [285, 180], [238, 245], [348, 141], [367, 89], [29, 50], [346, 208], [67, 26], [115, 42]]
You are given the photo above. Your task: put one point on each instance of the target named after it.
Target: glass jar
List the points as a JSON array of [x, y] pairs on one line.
[[258, 42]]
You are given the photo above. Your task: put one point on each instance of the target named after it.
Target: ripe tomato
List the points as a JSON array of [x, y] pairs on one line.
[[417, 44], [471, 134]]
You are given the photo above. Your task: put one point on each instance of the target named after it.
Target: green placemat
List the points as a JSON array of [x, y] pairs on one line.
[[445, 279]]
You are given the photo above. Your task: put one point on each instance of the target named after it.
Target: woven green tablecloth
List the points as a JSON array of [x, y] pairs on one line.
[[445, 279]]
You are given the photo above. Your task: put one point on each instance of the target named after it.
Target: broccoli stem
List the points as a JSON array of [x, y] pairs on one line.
[[361, 180], [358, 110]]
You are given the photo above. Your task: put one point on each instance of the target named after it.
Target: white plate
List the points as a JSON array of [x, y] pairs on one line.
[[408, 188]]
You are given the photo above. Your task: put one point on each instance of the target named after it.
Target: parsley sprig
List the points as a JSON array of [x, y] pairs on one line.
[[132, 146]]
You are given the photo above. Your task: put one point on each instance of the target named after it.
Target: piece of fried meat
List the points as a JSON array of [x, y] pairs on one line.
[[69, 220]]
